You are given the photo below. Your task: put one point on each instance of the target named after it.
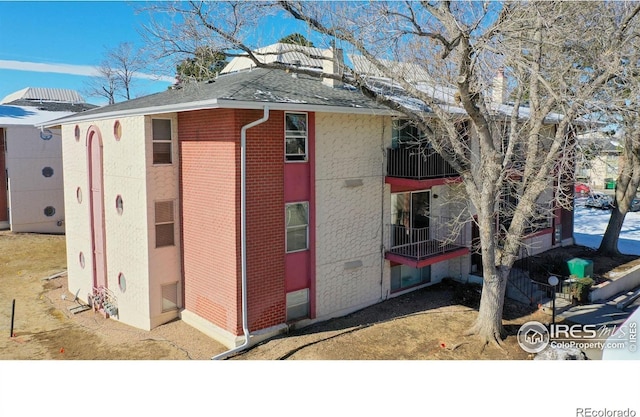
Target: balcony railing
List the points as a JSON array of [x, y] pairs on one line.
[[417, 163], [425, 242]]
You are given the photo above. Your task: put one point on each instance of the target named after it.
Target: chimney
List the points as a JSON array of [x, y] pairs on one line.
[[332, 61], [499, 91]]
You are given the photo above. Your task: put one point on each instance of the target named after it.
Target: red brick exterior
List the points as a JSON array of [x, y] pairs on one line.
[[210, 209]]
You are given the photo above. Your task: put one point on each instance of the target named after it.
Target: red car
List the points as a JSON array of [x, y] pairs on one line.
[[582, 188]]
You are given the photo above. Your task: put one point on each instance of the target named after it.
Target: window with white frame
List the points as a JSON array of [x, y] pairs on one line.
[[295, 137], [297, 224], [162, 146], [164, 220]]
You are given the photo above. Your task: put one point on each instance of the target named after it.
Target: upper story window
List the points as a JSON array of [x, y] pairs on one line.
[[297, 223], [404, 132], [162, 145], [295, 137]]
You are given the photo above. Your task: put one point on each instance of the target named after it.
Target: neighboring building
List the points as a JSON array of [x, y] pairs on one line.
[[599, 159], [338, 213], [31, 197]]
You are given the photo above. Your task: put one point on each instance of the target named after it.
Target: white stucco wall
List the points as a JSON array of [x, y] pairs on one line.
[[350, 217], [126, 238], [30, 192]]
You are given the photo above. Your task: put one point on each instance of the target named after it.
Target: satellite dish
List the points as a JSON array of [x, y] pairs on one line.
[[553, 280]]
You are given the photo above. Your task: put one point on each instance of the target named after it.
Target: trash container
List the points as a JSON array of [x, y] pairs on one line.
[[580, 268], [609, 183]]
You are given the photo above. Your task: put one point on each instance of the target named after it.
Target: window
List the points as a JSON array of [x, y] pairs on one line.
[[298, 305], [405, 132], [297, 223], [161, 141], [119, 204], [117, 130], [403, 276], [164, 223], [295, 137], [169, 297]]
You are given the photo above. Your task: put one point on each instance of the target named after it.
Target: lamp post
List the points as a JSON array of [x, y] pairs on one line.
[[553, 281]]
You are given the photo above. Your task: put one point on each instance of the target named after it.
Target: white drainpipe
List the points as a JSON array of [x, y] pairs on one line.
[[243, 232]]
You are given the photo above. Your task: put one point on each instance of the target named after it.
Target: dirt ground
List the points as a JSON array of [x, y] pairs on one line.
[[423, 325]]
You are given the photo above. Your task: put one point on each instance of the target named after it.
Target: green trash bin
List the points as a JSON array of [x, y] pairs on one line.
[[609, 183], [580, 268]]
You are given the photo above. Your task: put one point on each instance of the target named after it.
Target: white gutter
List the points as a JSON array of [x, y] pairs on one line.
[[243, 233], [215, 104]]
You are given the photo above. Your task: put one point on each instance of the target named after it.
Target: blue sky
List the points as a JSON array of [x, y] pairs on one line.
[[57, 44], [50, 43]]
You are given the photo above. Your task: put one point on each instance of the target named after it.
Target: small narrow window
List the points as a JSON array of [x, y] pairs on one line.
[[122, 282], [79, 194], [117, 130], [297, 223], [164, 224], [295, 137], [119, 204], [162, 148], [76, 133], [169, 297], [81, 260]]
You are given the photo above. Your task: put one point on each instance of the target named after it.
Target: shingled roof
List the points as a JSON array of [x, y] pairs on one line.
[[249, 89]]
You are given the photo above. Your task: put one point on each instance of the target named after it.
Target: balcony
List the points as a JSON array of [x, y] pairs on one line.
[[420, 247], [417, 164]]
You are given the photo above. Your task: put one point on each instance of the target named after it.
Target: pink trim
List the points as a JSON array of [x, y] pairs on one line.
[[312, 214], [426, 262], [96, 207], [407, 184]]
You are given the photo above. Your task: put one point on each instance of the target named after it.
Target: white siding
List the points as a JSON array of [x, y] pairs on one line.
[[30, 192], [126, 234], [349, 216]]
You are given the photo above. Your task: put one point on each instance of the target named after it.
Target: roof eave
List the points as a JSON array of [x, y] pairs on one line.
[[221, 103]]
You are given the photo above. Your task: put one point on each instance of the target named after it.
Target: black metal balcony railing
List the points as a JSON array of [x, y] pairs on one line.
[[416, 163], [425, 242]]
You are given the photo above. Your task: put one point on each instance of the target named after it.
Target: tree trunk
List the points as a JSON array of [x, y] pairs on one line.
[[626, 189], [609, 244], [488, 324]]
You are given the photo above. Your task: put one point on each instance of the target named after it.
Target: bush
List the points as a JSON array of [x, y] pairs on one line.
[[580, 289]]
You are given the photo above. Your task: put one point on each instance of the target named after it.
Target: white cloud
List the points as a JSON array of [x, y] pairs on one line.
[[84, 70]]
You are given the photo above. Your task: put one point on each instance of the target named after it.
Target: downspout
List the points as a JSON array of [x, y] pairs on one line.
[[243, 234]]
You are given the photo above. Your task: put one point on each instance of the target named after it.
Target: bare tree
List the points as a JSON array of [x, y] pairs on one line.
[[628, 179], [104, 84], [116, 73], [507, 156]]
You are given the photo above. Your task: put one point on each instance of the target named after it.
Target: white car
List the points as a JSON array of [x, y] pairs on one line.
[[599, 200]]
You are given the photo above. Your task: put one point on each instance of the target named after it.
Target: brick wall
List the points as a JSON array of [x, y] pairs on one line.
[[210, 181]]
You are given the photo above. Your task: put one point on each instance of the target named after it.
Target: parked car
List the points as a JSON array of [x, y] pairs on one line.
[[600, 201], [582, 188], [635, 205]]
